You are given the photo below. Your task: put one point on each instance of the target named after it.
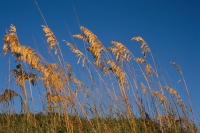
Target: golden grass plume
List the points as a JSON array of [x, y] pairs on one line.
[[148, 70], [117, 70], [51, 37], [95, 47], [172, 91], [7, 95], [78, 53], [145, 48], [140, 60], [120, 51]]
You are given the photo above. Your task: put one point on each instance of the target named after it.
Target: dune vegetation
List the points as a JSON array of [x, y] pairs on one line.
[[110, 90], [120, 93]]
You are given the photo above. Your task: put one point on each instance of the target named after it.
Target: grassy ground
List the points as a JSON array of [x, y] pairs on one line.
[[59, 124]]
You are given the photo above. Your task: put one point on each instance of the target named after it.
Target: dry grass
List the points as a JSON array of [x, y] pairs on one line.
[[108, 95], [7, 96]]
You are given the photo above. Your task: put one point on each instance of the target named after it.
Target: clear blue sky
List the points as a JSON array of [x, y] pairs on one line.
[[166, 25]]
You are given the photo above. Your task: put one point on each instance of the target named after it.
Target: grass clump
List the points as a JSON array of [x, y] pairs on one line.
[[113, 98]]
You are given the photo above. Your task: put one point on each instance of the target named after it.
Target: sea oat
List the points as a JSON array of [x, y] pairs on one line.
[[12, 28], [51, 37], [54, 99], [148, 70], [183, 106], [143, 89], [77, 81], [7, 95], [160, 97], [79, 54], [95, 47], [140, 60], [81, 36], [120, 51], [21, 76], [75, 92], [69, 67], [177, 67], [179, 101], [172, 91], [117, 71], [53, 76], [23, 53], [145, 48]]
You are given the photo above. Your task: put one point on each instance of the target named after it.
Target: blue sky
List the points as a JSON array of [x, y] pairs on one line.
[[168, 26]]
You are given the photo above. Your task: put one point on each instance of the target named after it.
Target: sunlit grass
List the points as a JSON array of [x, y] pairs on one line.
[[118, 92]]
